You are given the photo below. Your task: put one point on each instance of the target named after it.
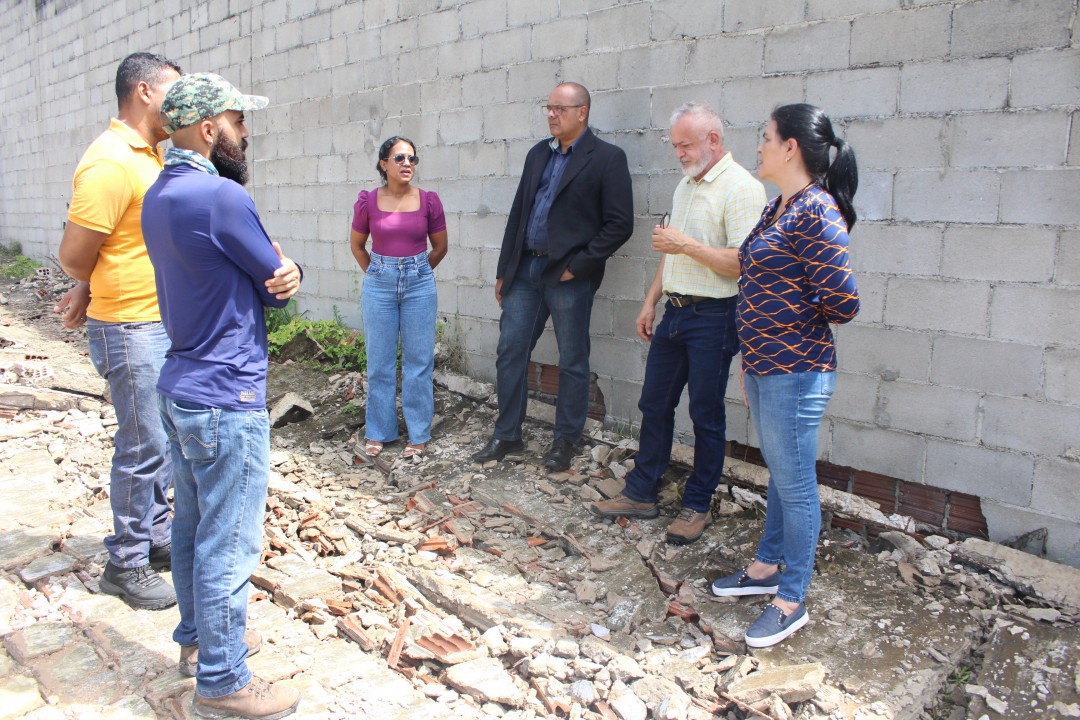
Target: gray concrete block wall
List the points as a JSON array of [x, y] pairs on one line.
[[960, 372]]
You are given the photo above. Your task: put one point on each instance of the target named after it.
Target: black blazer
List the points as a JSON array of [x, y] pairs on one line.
[[591, 216]]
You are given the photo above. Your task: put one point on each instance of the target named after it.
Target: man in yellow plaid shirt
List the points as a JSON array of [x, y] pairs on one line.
[[716, 205]]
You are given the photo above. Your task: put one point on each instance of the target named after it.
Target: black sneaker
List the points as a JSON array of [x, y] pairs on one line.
[[140, 587], [161, 557]]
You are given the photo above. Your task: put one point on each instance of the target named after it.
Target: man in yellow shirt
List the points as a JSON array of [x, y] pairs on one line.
[[103, 249], [715, 206]]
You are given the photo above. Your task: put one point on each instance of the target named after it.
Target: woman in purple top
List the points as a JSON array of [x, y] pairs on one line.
[[398, 299]]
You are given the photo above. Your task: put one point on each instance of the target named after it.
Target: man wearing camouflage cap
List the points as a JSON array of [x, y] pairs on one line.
[[210, 254]]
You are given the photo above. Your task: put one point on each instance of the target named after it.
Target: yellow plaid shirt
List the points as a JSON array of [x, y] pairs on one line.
[[719, 211]]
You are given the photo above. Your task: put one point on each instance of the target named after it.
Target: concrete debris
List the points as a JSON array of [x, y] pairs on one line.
[[289, 408], [1053, 582], [486, 680], [793, 683]]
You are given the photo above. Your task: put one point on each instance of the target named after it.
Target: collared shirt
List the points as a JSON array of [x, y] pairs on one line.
[[536, 237], [719, 211], [107, 197]]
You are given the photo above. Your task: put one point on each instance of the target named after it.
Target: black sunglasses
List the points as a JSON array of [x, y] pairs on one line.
[[400, 159]]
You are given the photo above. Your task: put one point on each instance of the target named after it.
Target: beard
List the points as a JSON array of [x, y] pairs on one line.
[[692, 171], [230, 160]]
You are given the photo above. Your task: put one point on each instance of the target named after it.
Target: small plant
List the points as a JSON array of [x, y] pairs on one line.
[[18, 268], [340, 345], [960, 676]]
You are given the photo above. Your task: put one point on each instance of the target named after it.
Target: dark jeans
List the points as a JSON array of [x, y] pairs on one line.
[[691, 346], [525, 308]]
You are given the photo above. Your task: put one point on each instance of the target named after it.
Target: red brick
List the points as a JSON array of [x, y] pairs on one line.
[[834, 476], [965, 515], [879, 488], [924, 503]]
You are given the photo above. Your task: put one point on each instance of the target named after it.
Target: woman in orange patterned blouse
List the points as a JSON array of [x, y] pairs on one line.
[[795, 280]]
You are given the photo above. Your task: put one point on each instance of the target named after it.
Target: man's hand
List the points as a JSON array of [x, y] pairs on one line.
[[566, 275], [72, 306], [498, 291], [645, 320], [286, 280], [668, 240]]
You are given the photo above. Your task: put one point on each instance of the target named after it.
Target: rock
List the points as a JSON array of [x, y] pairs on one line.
[[1044, 614], [909, 547], [996, 704], [747, 498], [600, 453], [45, 567], [599, 631], [624, 669], [567, 649], [494, 640], [937, 541], [667, 700], [625, 704], [584, 692], [289, 408], [524, 646], [466, 386], [793, 683], [1058, 584], [486, 680], [21, 695]]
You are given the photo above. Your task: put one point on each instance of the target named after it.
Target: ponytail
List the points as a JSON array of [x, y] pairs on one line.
[[842, 180]]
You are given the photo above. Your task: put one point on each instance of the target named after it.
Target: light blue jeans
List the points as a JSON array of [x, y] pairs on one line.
[[129, 356], [221, 466], [399, 301], [787, 411]]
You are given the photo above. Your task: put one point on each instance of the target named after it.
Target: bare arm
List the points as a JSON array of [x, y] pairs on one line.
[[72, 306], [647, 316], [358, 243], [671, 241], [79, 250], [439, 245]]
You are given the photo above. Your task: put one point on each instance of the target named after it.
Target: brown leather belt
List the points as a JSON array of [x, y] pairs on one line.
[[681, 301]]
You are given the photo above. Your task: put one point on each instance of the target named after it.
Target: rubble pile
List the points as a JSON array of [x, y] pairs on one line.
[[435, 587]]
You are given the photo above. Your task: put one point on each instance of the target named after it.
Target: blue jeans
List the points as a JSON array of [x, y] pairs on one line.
[[691, 346], [399, 300], [526, 307], [221, 465], [787, 410], [130, 356]]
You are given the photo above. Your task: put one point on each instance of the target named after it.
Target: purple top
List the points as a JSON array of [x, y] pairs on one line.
[[398, 234]]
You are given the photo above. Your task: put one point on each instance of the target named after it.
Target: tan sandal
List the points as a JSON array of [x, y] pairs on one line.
[[372, 448], [412, 451]]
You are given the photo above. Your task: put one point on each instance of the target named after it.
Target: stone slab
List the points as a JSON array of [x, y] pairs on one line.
[[33, 641], [20, 695], [78, 675], [21, 546], [46, 567]]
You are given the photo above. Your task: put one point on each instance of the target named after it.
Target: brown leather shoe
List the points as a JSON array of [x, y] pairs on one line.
[[258, 700], [688, 526], [189, 654], [622, 506]]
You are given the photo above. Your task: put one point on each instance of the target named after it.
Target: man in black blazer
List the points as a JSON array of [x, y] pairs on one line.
[[572, 210]]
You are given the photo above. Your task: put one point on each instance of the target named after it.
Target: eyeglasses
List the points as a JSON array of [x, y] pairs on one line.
[[400, 159], [665, 220], [558, 109]]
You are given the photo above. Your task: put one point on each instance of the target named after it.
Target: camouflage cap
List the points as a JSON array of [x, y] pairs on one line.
[[198, 96]]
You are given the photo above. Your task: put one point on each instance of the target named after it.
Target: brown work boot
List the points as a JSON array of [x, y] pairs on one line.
[[622, 506], [688, 526], [258, 700], [189, 654]]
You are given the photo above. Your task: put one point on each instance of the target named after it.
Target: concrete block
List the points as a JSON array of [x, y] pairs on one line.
[[751, 100], [1055, 486], [531, 82], [557, 39], [942, 305], [989, 474], [740, 15], [725, 56], [976, 84], [975, 252], [1030, 426], [928, 410], [905, 36], [872, 290], [1040, 196], [419, 64], [950, 195], [484, 88], [531, 13], [439, 27], [482, 17], [458, 126], [886, 353], [988, 366], [626, 279], [821, 46], [863, 92], [482, 159], [506, 48], [676, 19], [620, 110], [888, 452], [618, 358], [658, 64], [1044, 316], [400, 36], [1022, 139], [458, 58], [479, 301], [1045, 78], [513, 120], [828, 9], [647, 152], [1063, 375], [497, 195], [619, 27], [855, 398], [1068, 264], [483, 231], [914, 142], [600, 319], [1006, 521], [1007, 26], [440, 161], [442, 93], [895, 249], [666, 99]]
